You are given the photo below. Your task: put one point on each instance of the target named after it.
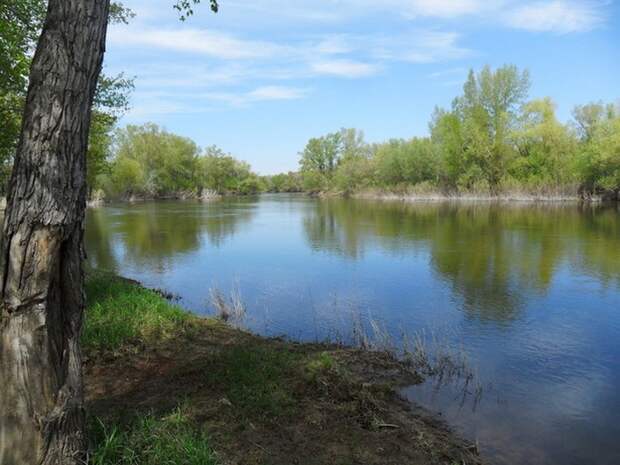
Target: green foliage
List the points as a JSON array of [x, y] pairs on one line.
[[20, 26], [151, 162], [321, 154], [110, 102], [546, 147], [487, 112], [185, 7], [320, 364], [251, 185], [151, 440], [284, 182], [120, 312], [222, 173], [491, 139], [588, 117], [599, 160], [354, 174], [314, 181], [20, 22], [406, 162]]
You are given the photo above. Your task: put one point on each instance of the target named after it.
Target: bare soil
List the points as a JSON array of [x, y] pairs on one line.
[[347, 412]]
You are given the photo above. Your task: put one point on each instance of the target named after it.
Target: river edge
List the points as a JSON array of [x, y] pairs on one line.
[[261, 400], [482, 197]]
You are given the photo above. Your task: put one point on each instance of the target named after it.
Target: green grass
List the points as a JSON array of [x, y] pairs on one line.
[[119, 312], [256, 379], [170, 440], [319, 365]]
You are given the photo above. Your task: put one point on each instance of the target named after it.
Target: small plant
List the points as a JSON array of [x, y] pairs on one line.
[[323, 363], [151, 440], [231, 310]]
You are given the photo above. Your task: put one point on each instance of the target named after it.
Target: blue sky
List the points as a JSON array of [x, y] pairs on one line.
[[263, 76]]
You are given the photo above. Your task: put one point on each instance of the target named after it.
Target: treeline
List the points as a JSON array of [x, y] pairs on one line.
[[491, 140], [149, 162], [21, 22]]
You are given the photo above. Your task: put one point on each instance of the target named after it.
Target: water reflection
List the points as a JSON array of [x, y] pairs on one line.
[[153, 235], [492, 255]]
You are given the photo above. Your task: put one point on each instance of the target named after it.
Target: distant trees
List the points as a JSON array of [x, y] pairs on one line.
[[283, 182], [483, 118], [545, 147], [491, 139], [151, 162], [599, 152], [323, 155]]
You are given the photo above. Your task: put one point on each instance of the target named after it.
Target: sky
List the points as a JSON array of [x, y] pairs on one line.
[[261, 77]]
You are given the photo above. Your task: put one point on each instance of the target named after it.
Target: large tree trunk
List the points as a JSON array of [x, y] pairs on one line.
[[41, 275]]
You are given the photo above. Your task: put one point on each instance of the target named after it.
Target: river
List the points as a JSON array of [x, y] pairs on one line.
[[529, 293]]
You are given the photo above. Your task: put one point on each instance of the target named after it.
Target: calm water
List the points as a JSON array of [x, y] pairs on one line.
[[531, 293]]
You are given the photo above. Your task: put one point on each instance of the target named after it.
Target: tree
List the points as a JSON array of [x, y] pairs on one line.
[[152, 162], [220, 172], [545, 147], [20, 26], [322, 154], [110, 102], [588, 117], [20, 22], [411, 162], [447, 135], [41, 285], [599, 160], [42, 417]]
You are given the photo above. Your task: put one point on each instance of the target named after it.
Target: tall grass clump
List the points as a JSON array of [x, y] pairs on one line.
[[120, 312], [149, 440], [231, 310]]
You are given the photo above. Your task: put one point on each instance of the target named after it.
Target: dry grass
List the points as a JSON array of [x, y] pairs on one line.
[[231, 309]]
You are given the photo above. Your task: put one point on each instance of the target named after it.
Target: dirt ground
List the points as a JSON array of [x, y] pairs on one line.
[[322, 405]]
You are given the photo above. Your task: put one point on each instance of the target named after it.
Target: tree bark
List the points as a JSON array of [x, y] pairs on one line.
[[41, 274]]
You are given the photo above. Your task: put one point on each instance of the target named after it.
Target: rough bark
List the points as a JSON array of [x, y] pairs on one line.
[[41, 275]]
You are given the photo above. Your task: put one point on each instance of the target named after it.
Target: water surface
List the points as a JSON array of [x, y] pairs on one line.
[[531, 293]]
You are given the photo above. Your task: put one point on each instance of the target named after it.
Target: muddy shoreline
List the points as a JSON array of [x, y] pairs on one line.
[[338, 404]]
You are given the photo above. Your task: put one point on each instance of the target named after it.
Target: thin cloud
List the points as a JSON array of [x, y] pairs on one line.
[[197, 41], [422, 47], [557, 16], [344, 68], [276, 93], [443, 8]]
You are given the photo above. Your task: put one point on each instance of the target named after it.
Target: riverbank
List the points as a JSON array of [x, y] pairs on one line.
[[548, 196], [164, 386]]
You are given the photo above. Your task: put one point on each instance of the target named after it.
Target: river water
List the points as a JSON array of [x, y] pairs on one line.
[[530, 294]]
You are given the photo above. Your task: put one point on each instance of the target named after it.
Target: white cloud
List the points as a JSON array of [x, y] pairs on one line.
[[556, 16], [276, 93], [165, 102], [330, 11], [536, 15], [422, 47], [344, 68], [211, 43], [443, 8]]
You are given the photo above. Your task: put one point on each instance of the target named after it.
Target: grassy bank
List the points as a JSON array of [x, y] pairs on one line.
[[430, 194], [166, 387]]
